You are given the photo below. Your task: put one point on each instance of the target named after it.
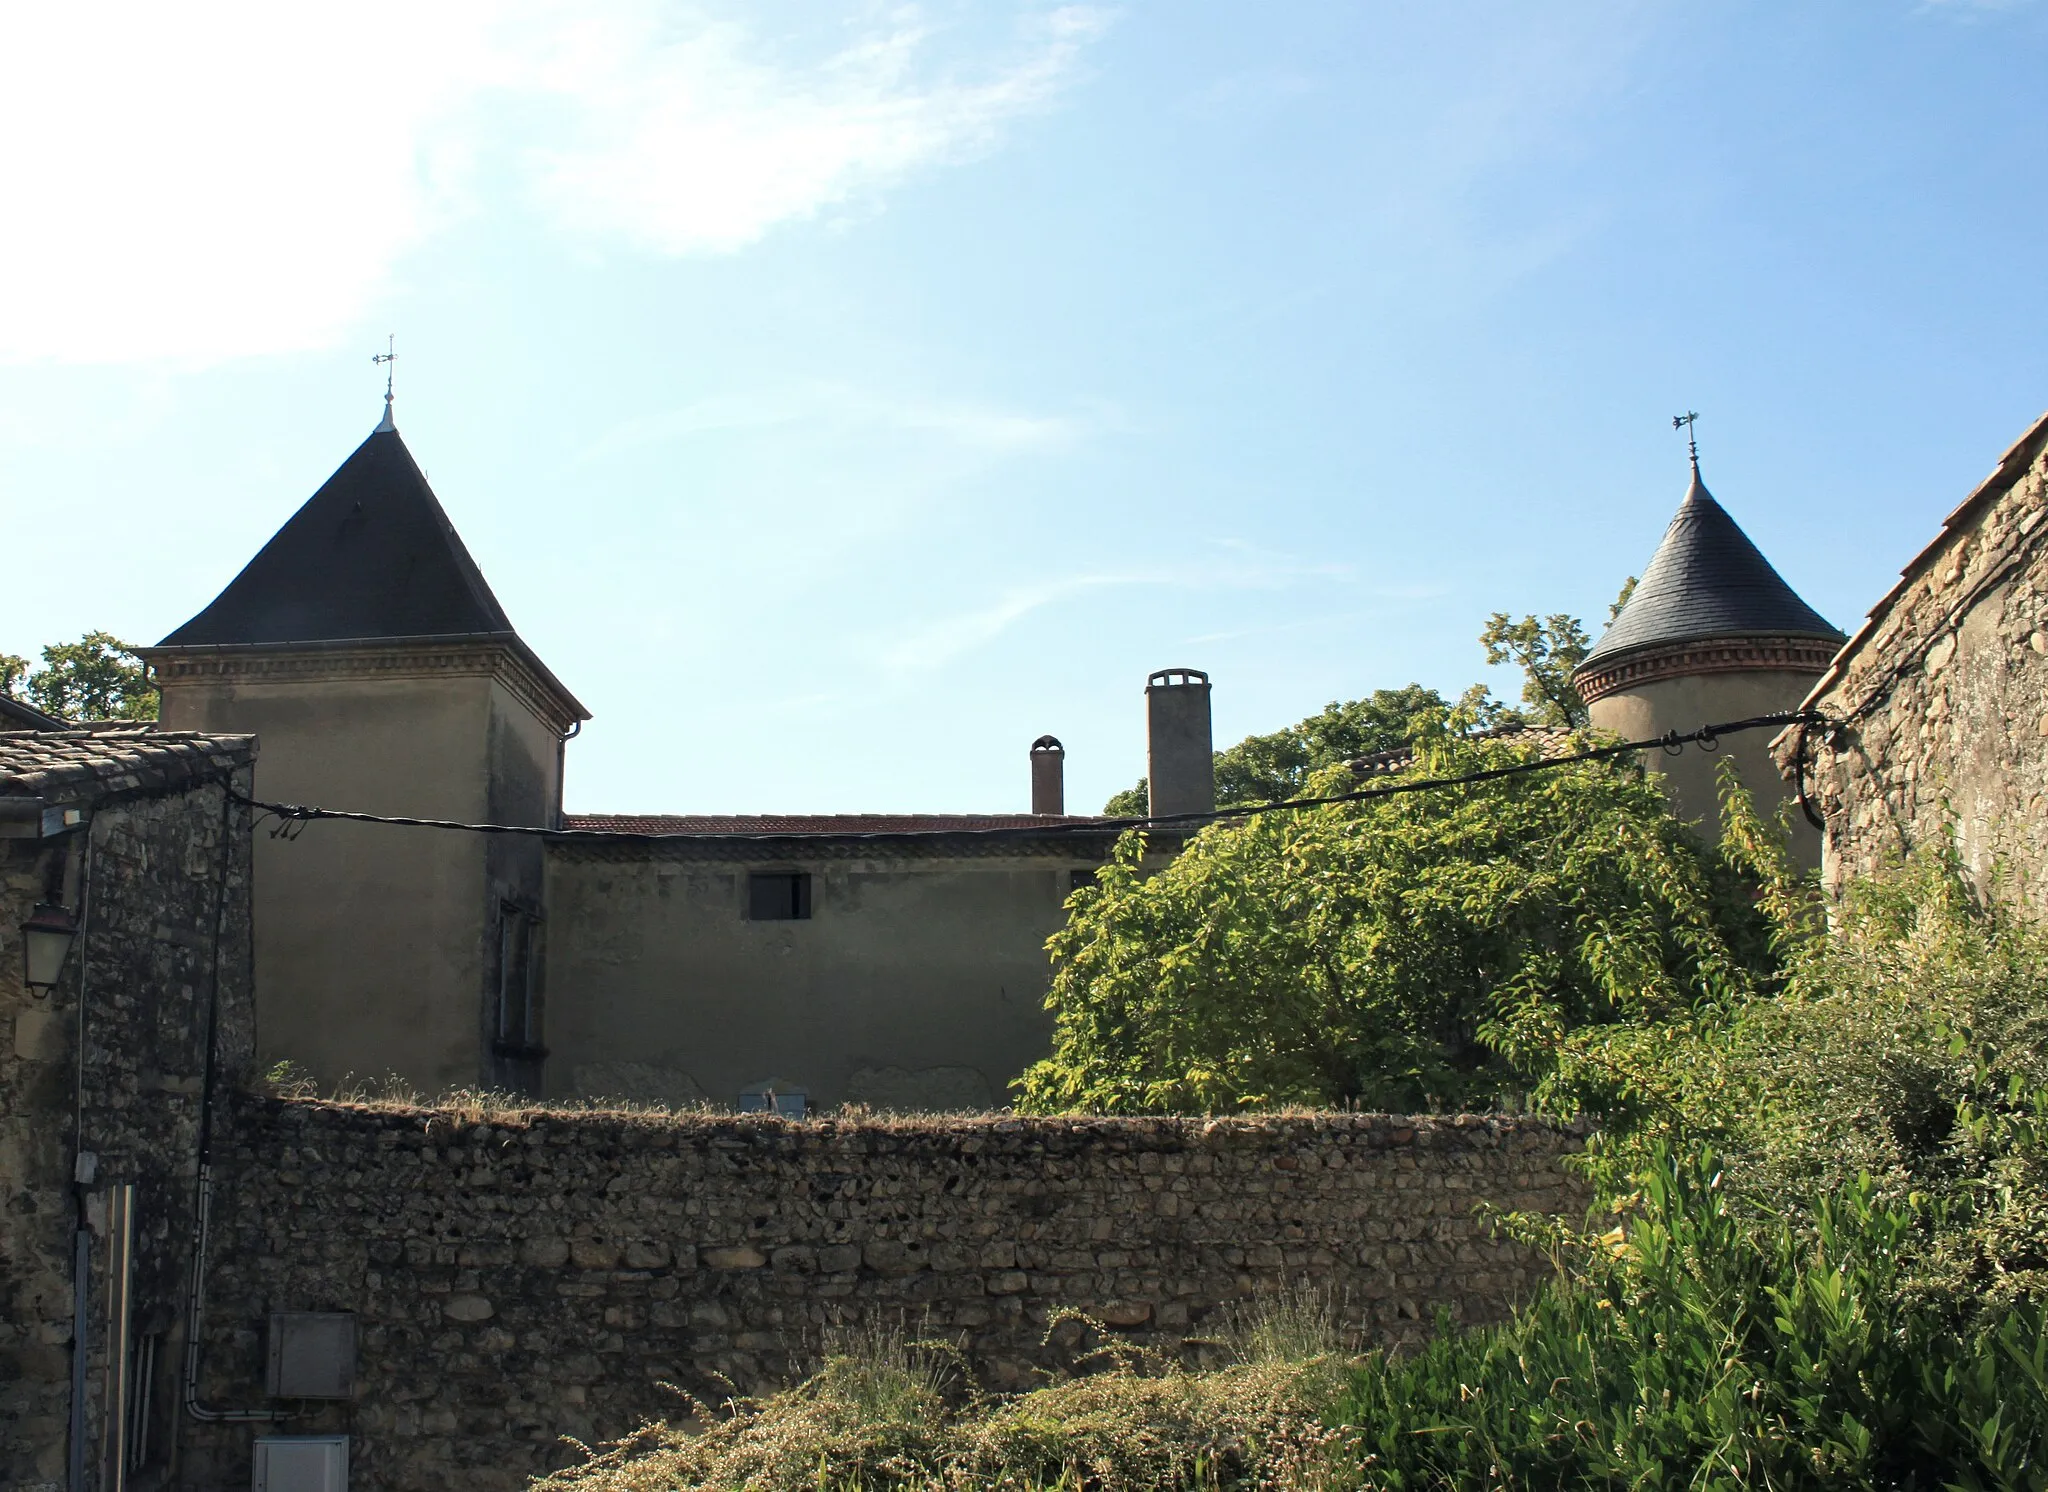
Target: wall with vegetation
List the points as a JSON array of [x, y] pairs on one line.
[[523, 1274], [1942, 700]]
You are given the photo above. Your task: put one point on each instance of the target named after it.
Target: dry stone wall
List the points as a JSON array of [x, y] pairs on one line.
[[522, 1276], [1942, 699]]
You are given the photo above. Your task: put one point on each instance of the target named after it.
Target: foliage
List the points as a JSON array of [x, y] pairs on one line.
[[96, 678], [1422, 951], [1271, 768], [1546, 651], [1907, 1042], [1692, 1348]]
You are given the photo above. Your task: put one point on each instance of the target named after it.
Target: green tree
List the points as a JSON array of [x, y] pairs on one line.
[[1270, 768], [1424, 951], [96, 678], [1546, 650]]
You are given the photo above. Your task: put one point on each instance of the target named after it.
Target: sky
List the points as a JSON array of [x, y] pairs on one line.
[[840, 396]]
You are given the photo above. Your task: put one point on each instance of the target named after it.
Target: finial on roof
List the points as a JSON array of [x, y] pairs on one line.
[[1686, 422], [387, 357]]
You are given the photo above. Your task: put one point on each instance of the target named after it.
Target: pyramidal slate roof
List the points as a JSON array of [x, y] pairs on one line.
[[371, 555], [1707, 580]]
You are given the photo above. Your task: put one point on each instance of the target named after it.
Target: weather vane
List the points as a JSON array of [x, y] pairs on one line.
[[1686, 422], [387, 357]]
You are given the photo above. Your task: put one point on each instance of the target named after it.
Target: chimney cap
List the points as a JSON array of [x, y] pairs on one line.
[[1176, 678], [1049, 743]]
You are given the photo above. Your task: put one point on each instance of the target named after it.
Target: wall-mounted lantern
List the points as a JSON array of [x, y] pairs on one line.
[[46, 940]]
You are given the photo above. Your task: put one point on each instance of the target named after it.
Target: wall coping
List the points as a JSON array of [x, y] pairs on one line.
[[500, 657]]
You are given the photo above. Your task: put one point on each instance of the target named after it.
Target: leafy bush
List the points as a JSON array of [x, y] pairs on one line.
[[1419, 952], [1693, 1348], [1906, 1043]]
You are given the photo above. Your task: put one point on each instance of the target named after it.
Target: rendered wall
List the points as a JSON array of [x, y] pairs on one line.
[[376, 946], [1943, 703], [1686, 704], [915, 983], [527, 1275], [147, 959]]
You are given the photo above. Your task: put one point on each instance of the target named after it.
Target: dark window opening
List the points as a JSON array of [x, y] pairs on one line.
[[516, 1023], [1076, 879], [777, 896]]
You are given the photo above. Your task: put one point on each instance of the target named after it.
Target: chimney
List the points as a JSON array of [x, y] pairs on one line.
[[1180, 760], [1048, 776]]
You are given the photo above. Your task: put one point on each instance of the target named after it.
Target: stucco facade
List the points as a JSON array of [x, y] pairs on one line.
[[1692, 776], [1937, 709], [377, 949], [916, 981]]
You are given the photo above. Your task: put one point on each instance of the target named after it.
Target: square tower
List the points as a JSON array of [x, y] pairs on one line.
[[365, 650]]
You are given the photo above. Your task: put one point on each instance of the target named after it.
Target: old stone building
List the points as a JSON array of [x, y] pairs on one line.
[[125, 1014], [1710, 634], [897, 960], [1937, 708]]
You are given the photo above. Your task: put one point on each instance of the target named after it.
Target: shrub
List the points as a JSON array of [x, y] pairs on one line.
[[1692, 1348], [1419, 952]]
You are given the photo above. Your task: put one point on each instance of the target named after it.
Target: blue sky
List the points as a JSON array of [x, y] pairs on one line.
[[840, 396]]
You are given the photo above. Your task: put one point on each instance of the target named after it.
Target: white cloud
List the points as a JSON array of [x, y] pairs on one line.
[[200, 183], [695, 143]]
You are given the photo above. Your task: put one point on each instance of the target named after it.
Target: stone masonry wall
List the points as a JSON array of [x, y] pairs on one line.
[[519, 1276], [1943, 699], [150, 891]]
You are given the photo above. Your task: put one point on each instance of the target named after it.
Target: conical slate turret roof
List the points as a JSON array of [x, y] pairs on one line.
[[370, 555], [1707, 580]]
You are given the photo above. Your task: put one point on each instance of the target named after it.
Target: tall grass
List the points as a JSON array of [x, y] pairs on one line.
[[888, 1412]]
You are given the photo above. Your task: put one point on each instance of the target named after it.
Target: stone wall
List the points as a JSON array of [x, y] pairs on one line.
[[1942, 698], [519, 1276], [161, 886]]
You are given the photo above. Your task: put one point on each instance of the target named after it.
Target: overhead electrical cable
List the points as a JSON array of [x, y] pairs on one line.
[[1706, 738]]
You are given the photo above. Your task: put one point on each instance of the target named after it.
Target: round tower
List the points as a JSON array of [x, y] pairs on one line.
[[1711, 633]]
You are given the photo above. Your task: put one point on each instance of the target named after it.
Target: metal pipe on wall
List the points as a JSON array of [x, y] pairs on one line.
[[81, 1329], [120, 1313]]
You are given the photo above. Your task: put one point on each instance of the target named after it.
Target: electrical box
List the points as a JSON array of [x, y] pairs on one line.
[[301, 1463], [312, 1355]]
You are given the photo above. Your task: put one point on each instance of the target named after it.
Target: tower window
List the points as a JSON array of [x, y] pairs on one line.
[[778, 896], [516, 1024]]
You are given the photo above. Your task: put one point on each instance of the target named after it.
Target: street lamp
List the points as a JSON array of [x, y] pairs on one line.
[[46, 940]]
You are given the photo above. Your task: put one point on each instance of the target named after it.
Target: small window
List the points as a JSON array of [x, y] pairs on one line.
[[516, 1027], [1076, 879], [778, 896]]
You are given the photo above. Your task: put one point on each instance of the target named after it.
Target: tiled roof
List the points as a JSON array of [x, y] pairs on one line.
[[782, 824], [14, 715], [1707, 580], [84, 766]]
